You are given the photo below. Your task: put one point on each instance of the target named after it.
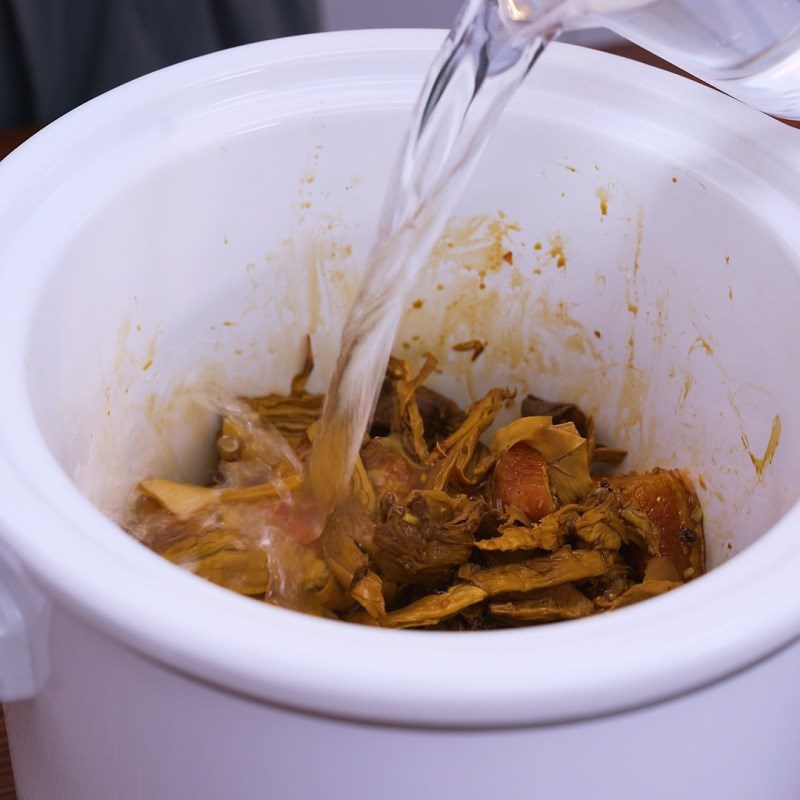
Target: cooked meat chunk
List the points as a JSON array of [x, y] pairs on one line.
[[520, 480], [673, 510]]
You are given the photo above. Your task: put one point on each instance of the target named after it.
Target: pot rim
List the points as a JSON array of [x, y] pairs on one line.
[[733, 617]]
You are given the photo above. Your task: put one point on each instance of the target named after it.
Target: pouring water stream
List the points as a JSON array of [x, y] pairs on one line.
[[490, 49]]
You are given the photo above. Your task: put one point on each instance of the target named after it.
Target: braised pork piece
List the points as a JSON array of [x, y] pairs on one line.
[[445, 527]]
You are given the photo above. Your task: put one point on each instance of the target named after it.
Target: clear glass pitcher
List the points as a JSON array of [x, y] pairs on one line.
[[749, 49]]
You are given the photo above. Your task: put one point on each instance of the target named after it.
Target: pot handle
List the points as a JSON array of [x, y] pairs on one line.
[[24, 623]]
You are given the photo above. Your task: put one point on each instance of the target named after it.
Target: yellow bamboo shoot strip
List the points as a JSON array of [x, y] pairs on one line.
[[434, 608], [225, 558], [547, 534], [264, 491], [637, 593], [184, 500], [550, 605], [563, 566]]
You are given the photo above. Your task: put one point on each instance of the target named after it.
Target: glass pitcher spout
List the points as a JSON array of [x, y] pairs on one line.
[[749, 49]]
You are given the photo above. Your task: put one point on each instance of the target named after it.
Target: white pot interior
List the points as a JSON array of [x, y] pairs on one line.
[[639, 288], [243, 188]]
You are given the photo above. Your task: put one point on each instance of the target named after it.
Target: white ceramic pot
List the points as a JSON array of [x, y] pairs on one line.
[[196, 224]]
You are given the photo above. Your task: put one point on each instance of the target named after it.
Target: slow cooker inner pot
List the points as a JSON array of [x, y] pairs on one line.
[[635, 287]]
